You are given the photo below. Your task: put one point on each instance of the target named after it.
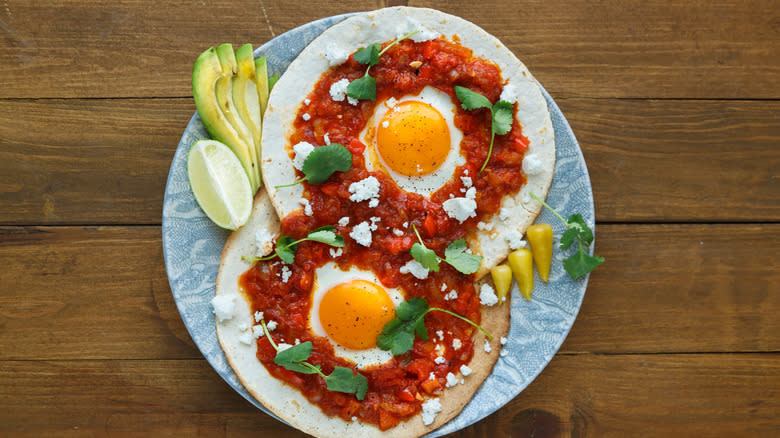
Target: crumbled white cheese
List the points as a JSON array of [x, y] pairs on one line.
[[365, 189], [385, 124], [471, 193], [453, 295], [485, 226], [224, 306], [431, 376], [335, 54], [415, 268], [503, 340], [509, 94], [440, 334], [515, 239], [532, 165], [338, 92], [440, 349], [456, 344], [306, 117], [451, 380], [466, 180], [405, 224], [374, 220], [505, 214], [302, 150], [344, 221], [306, 101], [297, 341], [487, 346], [326, 139], [354, 418], [443, 287], [246, 338], [306, 207], [257, 331], [373, 202], [398, 232], [336, 252], [465, 370], [286, 273], [283, 346], [264, 241], [258, 316], [487, 295], [361, 233], [439, 360], [429, 410], [271, 325], [460, 209]]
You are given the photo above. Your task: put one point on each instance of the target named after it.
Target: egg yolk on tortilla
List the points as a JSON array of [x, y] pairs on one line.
[[353, 313], [413, 139]]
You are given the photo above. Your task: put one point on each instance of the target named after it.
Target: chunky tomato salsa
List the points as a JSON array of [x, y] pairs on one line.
[[396, 389]]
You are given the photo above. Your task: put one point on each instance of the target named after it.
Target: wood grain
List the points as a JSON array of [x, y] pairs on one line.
[[101, 293], [106, 161], [581, 395], [143, 48]]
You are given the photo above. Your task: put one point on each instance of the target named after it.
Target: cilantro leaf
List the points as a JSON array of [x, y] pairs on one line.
[[503, 116], [581, 263], [362, 88], [323, 161], [471, 100], [398, 334], [292, 357], [327, 237], [426, 257], [342, 379], [568, 237], [458, 258], [368, 55], [577, 230], [285, 249]]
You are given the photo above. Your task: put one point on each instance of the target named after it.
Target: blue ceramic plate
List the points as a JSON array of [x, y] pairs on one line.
[[192, 245]]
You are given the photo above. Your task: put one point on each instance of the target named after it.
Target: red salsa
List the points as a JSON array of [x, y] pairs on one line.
[[397, 388]]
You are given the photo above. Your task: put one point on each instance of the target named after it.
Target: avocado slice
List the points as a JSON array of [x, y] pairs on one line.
[[224, 93], [245, 95], [206, 72], [261, 81]]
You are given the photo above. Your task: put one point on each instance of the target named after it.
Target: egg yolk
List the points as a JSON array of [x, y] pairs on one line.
[[413, 138], [354, 313]]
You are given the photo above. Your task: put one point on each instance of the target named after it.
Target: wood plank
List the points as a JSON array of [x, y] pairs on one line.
[[106, 161], [680, 161], [102, 293], [644, 49], [87, 292], [141, 48], [580, 395]]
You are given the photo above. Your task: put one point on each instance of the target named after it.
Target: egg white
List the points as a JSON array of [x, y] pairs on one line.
[[424, 184], [325, 278]]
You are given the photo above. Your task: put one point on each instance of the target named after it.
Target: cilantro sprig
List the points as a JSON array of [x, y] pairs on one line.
[[364, 87], [580, 263], [455, 254], [398, 334], [322, 162], [502, 114], [294, 358], [286, 246]]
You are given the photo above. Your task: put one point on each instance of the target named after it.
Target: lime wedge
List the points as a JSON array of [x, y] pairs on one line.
[[219, 183]]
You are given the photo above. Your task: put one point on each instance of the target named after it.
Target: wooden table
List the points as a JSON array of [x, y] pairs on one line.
[[675, 105]]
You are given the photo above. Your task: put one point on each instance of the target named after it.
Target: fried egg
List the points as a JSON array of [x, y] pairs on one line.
[[349, 308], [414, 140]]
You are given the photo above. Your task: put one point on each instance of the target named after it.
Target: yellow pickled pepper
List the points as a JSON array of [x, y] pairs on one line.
[[522, 264], [502, 279], [540, 237]]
